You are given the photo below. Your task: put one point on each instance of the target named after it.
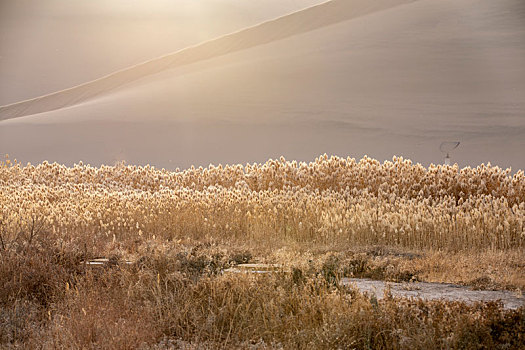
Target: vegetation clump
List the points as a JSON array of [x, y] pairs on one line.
[[169, 236]]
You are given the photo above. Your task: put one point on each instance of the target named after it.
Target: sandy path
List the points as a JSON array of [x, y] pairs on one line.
[[416, 290], [435, 291]]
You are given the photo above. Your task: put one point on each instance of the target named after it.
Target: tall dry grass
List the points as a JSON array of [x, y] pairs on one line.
[[182, 229], [329, 200], [174, 299]]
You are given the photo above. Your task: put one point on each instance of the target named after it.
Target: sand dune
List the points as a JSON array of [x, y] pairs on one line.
[[396, 81], [47, 46], [303, 21]]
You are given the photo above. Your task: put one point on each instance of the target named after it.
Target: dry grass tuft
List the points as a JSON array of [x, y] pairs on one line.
[[321, 221]]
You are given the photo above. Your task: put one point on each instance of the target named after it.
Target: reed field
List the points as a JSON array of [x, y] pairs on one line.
[[169, 235], [331, 199]]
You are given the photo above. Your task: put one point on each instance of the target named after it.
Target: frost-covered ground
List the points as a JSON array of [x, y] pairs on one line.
[[435, 291]]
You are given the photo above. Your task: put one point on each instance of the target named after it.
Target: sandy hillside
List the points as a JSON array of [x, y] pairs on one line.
[[383, 78], [50, 45]]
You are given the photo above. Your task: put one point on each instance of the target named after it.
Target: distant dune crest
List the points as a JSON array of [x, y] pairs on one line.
[[312, 18]]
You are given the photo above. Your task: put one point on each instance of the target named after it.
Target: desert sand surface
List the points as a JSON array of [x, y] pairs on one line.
[[51, 45], [381, 78]]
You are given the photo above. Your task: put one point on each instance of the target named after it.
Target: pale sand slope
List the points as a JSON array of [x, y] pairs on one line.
[[300, 22], [397, 81], [50, 45]]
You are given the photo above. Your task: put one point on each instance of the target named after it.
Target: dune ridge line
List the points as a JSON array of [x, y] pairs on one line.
[[315, 17]]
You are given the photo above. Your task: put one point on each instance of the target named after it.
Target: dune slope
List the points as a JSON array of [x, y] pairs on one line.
[[51, 45], [398, 81], [299, 22]]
